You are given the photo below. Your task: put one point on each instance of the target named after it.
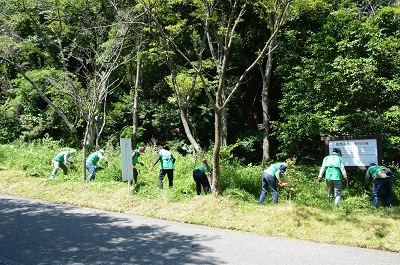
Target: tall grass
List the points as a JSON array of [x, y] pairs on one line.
[[238, 182], [303, 210]]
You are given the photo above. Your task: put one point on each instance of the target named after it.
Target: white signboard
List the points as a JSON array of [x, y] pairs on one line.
[[356, 152], [126, 156]]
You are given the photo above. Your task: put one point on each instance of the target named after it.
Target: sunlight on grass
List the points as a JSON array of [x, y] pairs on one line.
[[303, 213], [376, 230]]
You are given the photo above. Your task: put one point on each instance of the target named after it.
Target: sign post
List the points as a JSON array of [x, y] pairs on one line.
[[357, 151], [126, 157]]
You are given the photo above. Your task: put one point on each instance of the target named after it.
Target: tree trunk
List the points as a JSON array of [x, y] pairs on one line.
[[224, 122], [134, 118], [87, 141], [188, 127], [216, 187], [193, 142], [84, 152], [135, 98], [103, 124], [266, 77]]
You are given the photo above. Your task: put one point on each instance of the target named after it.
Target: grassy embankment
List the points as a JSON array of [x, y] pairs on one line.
[[305, 214]]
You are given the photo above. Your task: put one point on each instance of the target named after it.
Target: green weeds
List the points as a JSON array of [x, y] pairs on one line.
[[238, 182], [303, 210]]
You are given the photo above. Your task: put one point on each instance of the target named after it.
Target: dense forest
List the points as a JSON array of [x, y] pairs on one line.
[[266, 79]]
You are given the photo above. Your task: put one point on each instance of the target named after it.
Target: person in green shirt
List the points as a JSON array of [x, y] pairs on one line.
[[135, 160], [190, 151], [269, 178], [92, 161], [167, 166], [61, 160], [200, 177], [383, 179], [333, 168]]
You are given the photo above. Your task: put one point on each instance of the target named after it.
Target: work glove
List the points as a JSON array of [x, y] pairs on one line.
[[347, 181], [281, 185], [319, 179]]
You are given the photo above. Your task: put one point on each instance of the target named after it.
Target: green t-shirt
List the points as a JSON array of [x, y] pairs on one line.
[[376, 172], [202, 169], [332, 166], [61, 157], [271, 170], [167, 160], [93, 158], [135, 157]]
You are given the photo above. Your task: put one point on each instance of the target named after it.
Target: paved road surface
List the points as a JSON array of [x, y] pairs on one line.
[[34, 232]]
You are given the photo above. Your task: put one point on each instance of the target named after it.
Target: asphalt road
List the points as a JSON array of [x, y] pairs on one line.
[[35, 232]]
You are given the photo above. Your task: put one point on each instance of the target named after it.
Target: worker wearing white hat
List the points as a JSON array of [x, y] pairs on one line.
[[92, 161], [61, 160]]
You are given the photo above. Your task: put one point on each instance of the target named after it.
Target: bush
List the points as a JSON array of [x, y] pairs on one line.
[[240, 195], [34, 158]]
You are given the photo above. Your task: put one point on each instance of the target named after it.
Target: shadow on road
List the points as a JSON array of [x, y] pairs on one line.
[[41, 233]]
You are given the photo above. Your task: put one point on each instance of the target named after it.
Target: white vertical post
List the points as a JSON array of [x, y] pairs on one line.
[[126, 156]]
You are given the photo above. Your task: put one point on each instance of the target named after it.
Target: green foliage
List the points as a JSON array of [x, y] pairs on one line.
[[238, 179], [239, 195], [9, 125], [184, 81], [249, 147], [111, 172], [343, 83], [175, 145], [34, 158], [387, 20], [238, 182], [337, 64], [127, 132]]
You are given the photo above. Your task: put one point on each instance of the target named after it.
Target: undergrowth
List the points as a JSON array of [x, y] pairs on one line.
[[238, 182]]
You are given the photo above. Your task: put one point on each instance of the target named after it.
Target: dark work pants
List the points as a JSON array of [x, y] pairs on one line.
[[169, 173], [201, 180], [135, 174], [386, 184], [58, 165]]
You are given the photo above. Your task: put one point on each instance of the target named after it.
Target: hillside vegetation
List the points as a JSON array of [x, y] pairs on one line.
[[105, 69], [303, 212]]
